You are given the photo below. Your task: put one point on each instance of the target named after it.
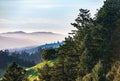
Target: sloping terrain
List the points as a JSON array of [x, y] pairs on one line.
[[32, 73]]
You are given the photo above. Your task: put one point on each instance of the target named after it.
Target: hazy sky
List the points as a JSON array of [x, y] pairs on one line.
[[42, 15]]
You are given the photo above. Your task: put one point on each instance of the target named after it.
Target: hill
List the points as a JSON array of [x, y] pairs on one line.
[[32, 72], [6, 59], [20, 39], [34, 53]]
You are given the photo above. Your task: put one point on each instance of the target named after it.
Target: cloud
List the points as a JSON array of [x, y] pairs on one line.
[[6, 21], [49, 15], [36, 24], [45, 6], [31, 21], [40, 4], [37, 21]]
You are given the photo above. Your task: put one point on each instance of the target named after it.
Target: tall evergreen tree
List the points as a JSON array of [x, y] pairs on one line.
[[14, 73], [82, 38]]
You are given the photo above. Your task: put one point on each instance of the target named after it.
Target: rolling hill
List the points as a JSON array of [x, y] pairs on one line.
[[32, 72], [20, 39]]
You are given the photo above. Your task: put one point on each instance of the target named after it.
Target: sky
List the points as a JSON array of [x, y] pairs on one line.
[[42, 15]]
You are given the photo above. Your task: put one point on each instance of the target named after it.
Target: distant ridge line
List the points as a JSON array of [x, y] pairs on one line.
[[22, 32]]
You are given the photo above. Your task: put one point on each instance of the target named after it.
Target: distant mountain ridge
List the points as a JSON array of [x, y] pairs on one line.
[[16, 32], [13, 42], [20, 39], [34, 49], [22, 32]]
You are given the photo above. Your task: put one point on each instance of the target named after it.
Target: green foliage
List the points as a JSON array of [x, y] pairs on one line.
[[114, 73], [66, 69], [6, 58], [35, 57], [68, 45], [58, 71], [44, 73], [49, 54], [109, 16], [98, 72], [14, 73], [83, 20], [32, 73], [83, 42], [82, 24]]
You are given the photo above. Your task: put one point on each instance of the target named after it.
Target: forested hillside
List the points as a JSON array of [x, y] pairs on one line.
[[6, 58], [89, 53]]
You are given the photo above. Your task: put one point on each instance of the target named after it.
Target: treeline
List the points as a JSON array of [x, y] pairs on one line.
[[35, 57], [7, 58], [22, 58]]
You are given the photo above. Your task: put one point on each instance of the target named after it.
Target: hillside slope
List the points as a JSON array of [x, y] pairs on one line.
[[32, 73]]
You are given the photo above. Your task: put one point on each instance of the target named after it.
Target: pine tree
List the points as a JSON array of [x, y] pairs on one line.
[[83, 39], [82, 24], [14, 73]]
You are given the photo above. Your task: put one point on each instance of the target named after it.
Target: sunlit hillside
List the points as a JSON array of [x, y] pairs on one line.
[[32, 73]]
